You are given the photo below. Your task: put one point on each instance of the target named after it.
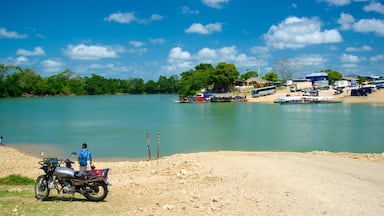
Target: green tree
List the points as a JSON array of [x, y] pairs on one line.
[[136, 86], [95, 85], [223, 77], [248, 74], [271, 76], [150, 87], [333, 75]]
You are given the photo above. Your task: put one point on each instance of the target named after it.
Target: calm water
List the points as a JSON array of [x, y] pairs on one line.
[[116, 126]]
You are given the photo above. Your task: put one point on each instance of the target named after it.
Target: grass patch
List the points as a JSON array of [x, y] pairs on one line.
[[16, 180]]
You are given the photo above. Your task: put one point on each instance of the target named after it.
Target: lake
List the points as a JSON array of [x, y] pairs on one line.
[[117, 126]]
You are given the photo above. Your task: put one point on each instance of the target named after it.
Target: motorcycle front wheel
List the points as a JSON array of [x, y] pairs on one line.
[[96, 191], [41, 188]]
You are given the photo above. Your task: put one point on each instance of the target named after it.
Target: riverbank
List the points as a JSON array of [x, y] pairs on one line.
[[376, 97], [230, 183]]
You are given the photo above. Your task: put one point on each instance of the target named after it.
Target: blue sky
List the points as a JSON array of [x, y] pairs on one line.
[[148, 38]]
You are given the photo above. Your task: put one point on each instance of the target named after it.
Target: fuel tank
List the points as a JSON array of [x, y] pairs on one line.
[[64, 172]]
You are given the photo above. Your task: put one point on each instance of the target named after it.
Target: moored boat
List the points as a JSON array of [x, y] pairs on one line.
[[305, 100]]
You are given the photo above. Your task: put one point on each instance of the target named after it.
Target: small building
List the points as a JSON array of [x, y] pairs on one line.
[[313, 77], [256, 81]]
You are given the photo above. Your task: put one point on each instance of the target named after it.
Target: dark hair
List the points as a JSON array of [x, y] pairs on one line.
[[84, 145]]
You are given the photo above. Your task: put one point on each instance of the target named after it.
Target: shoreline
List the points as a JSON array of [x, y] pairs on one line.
[[375, 98], [26, 149], [225, 183]]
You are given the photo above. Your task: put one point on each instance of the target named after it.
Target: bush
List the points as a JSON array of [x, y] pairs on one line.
[[16, 180]]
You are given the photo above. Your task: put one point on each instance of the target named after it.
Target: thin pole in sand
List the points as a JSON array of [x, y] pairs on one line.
[[158, 145], [149, 146]]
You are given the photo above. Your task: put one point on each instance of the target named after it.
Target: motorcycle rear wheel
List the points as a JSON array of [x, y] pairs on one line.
[[96, 191], [41, 188]]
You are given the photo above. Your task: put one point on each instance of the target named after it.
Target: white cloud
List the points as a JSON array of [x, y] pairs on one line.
[[347, 58], [187, 10], [51, 66], [346, 21], [370, 25], [358, 49], [201, 29], [179, 60], [157, 40], [338, 2], [377, 58], [296, 32], [92, 52], [313, 60], [21, 60], [218, 4], [183, 60], [177, 54], [126, 18], [129, 17], [156, 17], [375, 7], [136, 43], [38, 51], [260, 51], [4, 33]]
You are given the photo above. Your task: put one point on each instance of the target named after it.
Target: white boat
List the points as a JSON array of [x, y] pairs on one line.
[[305, 100]]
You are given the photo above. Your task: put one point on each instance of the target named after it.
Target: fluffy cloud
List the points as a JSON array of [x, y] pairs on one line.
[[338, 2], [347, 58], [129, 17], [215, 3], [4, 33], [92, 52], [21, 60], [375, 7], [38, 51], [126, 18], [51, 66], [346, 21], [201, 29], [370, 25], [156, 40], [156, 17], [136, 43], [180, 60], [187, 10], [296, 32], [314, 60], [358, 49], [377, 58]]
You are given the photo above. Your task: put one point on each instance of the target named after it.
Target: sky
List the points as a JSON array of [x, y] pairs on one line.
[[150, 38]]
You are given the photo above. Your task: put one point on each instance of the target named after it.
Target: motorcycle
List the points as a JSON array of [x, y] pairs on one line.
[[92, 184]]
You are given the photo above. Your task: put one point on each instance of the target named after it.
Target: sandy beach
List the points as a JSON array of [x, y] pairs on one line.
[[376, 97], [232, 183]]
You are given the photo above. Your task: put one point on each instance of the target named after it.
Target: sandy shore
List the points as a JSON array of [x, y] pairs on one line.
[[376, 97], [234, 183]]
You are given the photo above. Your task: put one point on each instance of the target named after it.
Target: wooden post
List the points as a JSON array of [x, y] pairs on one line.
[[158, 145], [149, 147]]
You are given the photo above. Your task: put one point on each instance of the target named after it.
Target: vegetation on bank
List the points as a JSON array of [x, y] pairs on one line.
[[15, 179], [18, 82]]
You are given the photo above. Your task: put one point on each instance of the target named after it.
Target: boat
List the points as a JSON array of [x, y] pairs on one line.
[[305, 100], [220, 98]]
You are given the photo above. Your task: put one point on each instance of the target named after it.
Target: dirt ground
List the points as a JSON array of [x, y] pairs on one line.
[[234, 183], [376, 97]]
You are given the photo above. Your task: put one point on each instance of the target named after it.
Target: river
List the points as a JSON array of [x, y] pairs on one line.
[[117, 126]]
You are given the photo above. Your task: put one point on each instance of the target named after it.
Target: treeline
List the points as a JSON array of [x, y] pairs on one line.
[[16, 82]]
